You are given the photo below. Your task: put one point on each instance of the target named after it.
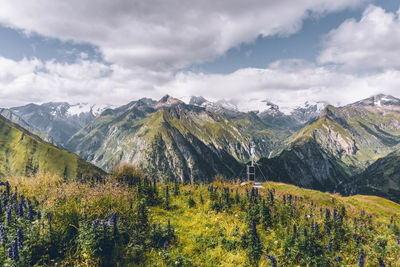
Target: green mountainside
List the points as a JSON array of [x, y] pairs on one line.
[[305, 164], [338, 148], [11, 116], [169, 138], [382, 178], [23, 153]]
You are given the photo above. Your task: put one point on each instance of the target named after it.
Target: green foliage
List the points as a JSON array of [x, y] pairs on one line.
[[114, 224]]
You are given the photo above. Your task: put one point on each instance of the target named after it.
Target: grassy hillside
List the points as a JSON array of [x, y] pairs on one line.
[[22, 153], [137, 222]]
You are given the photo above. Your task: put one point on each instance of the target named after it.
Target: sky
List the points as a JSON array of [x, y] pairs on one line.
[[112, 52]]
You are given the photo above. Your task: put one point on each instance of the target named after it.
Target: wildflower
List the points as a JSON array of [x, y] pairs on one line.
[[327, 230], [330, 245], [273, 260], [113, 218], [361, 260], [381, 263], [30, 213], [327, 213], [312, 202], [357, 238], [165, 244], [3, 235], [335, 214], [337, 259], [295, 229], [14, 252], [316, 227], [20, 238], [305, 232], [9, 216], [39, 215], [96, 222]]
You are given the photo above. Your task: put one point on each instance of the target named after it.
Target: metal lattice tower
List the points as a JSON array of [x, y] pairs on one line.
[[251, 169]]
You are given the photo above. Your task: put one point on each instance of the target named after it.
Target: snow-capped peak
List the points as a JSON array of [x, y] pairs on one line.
[[86, 108]]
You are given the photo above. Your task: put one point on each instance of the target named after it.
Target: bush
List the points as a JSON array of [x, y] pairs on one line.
[[127, 171]]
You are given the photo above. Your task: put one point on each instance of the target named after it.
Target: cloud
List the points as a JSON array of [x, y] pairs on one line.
[[288, 83], [163, 35], [370, 44]]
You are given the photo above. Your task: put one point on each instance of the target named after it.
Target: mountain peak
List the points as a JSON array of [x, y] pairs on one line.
[[167, 101], [380, 100], [197, 100]]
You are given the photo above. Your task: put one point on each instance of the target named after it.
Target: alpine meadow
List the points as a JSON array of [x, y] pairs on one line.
[[200, 133]]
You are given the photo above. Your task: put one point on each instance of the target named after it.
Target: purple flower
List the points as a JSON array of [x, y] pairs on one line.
[[8, 216], [327, 230], [3, 235], [165, 244], [330, 245], [381, 263], [361, 260], [20, 238], [13, 252], [273, 260], [327, 214], [337, 259], [316, 227]]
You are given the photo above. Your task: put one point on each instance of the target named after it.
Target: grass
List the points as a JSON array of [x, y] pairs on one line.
[[205, 235]]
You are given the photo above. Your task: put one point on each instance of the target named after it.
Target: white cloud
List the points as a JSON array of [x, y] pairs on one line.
[[287, 83], [372, 43], [161, 34]]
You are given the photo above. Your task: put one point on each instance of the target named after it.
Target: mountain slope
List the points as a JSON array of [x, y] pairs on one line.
[[358, 134], [11, 116], [305, 164], [59, 120], [23, 153], [169, 138], [328, 153], [382, 178]]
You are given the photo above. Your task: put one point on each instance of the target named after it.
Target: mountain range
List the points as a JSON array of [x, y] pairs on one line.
[[346, 149]]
